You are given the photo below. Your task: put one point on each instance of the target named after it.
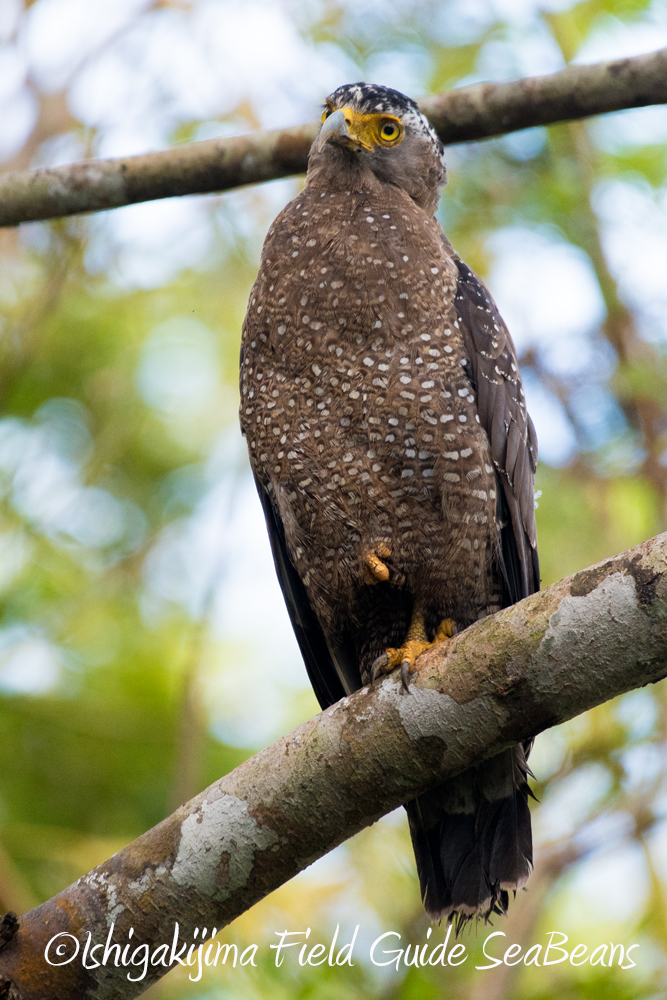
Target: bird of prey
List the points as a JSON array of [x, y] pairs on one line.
[[393, 454]]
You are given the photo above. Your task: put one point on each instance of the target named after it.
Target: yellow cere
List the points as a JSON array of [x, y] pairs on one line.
[[370, 129]]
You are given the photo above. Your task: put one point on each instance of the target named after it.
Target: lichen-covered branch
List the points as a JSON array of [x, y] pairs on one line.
[[582, 641], [473, 112]]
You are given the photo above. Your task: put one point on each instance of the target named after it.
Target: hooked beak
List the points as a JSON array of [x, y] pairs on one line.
[[345, 127], [334, 128]]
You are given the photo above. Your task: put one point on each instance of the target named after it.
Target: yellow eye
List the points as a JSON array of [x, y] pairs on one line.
[[389, 131], [326, 112]]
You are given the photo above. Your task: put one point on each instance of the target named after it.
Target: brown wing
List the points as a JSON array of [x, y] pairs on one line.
[[501, 406], [331, 667], [472, 835]]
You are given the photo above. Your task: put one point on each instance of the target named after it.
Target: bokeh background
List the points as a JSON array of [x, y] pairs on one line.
[[144, 646]]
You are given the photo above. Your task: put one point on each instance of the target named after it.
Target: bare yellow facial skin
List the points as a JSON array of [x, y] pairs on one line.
[[369, 130]]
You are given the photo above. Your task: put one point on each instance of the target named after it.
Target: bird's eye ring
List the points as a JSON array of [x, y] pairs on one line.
[[389, 131], [326, 112]]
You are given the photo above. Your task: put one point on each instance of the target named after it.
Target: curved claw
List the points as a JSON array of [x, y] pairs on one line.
[[379, 666], [405, 672]]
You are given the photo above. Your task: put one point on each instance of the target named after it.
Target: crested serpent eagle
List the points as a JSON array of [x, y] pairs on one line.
[[393, 454]]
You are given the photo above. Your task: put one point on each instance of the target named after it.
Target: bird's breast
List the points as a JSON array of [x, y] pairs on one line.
[[356, 400]]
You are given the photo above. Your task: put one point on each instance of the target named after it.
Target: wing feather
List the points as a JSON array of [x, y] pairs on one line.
[[515, 454], [501, 407], [332, 671]]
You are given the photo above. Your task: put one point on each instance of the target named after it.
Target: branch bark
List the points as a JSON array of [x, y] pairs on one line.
[[474, 112], [558, 653]]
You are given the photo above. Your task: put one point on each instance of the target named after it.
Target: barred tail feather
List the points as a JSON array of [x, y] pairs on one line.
[[472, 839]]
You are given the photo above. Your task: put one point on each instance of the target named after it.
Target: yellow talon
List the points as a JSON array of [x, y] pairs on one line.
[[377, 570], [446, 629], [413, 647]]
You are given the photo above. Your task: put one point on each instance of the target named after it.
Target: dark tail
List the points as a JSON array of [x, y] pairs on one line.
[[472, 838]]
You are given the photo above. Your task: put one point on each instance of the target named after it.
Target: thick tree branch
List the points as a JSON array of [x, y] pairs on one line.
[[584, 640], [474, 112]]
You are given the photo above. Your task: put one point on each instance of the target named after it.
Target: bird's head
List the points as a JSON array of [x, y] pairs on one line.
[[366, 127]]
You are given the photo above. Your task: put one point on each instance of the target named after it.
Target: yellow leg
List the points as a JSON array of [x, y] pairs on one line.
[[415, 644]]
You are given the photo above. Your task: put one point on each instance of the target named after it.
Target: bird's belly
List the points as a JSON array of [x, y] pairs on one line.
[[424, 534], [420, 497]]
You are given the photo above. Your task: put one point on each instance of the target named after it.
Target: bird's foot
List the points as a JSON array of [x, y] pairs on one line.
[[407, 655], [375, 571]]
